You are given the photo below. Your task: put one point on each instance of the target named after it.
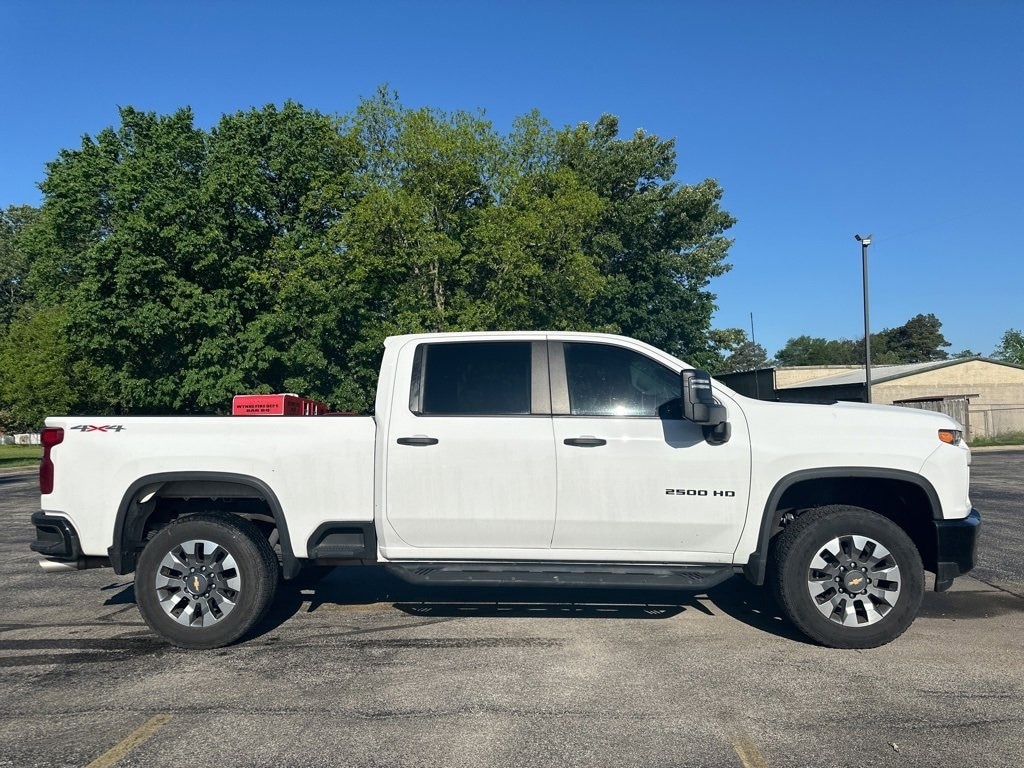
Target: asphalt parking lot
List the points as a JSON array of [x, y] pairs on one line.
[[366, 671]]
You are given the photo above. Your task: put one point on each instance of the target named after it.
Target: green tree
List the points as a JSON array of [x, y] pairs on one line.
[[171, 250], [813, 350], [14, 260], [737, 352], [35, 372], [1011, 348], [919, 340], [277, 250], [659, 243], [276, 183]]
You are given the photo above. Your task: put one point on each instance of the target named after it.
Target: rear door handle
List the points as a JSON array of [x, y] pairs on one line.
[[417, 441], [585, 442]]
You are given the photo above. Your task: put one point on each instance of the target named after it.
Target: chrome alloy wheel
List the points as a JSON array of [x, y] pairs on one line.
[[198, 583], [854, 581]]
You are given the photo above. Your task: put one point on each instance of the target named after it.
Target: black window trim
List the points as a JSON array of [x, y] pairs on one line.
[[540, 385], [560, 405]]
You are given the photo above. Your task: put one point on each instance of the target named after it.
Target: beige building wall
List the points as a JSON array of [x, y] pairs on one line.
[[998, 403], [991, 382], [787, 377], [996, 419]]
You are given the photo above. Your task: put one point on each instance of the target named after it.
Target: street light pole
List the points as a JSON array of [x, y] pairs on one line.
[[864, 243]]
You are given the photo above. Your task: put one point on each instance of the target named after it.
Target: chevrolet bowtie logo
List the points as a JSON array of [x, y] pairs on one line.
[[195, 583], [855, 582]]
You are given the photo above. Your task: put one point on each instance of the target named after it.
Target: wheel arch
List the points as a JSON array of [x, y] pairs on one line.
[[906, 498], [139, 503]]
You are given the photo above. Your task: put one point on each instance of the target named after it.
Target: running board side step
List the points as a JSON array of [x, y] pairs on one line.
[[536, 574]]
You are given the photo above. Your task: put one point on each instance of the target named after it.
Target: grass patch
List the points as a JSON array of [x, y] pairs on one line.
[[1010, 438], [20, 455]]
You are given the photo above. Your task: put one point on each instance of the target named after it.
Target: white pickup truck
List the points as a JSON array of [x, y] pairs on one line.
[[567, 459]]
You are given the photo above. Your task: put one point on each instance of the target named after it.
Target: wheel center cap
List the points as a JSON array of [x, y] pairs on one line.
[[855, 581], [196, 583]]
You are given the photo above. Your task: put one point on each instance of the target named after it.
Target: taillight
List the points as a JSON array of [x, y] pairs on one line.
[[51, 436]]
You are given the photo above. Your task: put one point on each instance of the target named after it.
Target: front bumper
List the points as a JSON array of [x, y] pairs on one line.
[[956, 542]]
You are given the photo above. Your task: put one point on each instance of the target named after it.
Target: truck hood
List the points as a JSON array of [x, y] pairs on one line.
[[845, 434]]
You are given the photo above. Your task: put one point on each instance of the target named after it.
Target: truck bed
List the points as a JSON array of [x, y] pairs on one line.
[[321, 468]]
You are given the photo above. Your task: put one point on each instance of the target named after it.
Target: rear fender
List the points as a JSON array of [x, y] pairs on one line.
[[139, 501]]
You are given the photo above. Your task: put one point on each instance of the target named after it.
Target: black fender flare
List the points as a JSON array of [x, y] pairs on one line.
[[128, 526], [757, 565]]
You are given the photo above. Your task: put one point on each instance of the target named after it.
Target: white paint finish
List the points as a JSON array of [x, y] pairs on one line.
[[787, 438], [488, 483], [398, 553], [320, 468], [614, 496], [945, 470]]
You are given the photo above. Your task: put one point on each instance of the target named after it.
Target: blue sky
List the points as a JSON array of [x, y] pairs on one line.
[[820, 119]]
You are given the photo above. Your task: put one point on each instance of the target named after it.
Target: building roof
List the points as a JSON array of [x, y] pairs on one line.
[[883, 373]]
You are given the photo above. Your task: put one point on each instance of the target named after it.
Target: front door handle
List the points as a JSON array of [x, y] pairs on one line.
[[585, 442], [417, 441]]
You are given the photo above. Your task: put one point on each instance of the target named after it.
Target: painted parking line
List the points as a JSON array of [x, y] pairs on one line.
[[133, 740], [748, 753]]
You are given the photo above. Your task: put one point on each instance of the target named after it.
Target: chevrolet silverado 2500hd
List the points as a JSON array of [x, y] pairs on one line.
[[523, 458]]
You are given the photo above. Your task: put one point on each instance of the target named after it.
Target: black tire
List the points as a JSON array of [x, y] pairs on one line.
[[236, 579], [866, 606]]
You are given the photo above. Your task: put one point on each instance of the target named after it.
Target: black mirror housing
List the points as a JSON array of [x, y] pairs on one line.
[[699, 406], [698, 401]]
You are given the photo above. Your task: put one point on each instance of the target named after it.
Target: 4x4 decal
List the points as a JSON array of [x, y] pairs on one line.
[[94, 428]]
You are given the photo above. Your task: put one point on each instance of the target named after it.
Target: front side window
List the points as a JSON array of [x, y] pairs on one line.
[[613, 381], [475, 378]]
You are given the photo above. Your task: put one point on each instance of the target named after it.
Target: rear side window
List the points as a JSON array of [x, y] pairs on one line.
[[612, 381], [473, 378]]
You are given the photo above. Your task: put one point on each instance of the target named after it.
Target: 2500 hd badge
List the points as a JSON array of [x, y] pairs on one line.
[[698, 492]]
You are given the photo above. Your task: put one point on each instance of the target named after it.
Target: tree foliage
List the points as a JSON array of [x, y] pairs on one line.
[[37, 381], [1011, 347], [919, 340], [815, 350], [14, 259], [737, 352], [175, 266]]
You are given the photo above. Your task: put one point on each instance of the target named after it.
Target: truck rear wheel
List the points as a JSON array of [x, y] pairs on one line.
[[847, 577], [205, 580]]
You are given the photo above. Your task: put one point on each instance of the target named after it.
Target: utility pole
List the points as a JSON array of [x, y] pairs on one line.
[[864, 243], [757, 377]]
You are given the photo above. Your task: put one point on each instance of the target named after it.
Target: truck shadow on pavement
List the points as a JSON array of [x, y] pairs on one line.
[[351, 586], [735, 598]]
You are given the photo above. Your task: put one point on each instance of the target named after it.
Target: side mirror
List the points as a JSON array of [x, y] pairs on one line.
[[699, 406]]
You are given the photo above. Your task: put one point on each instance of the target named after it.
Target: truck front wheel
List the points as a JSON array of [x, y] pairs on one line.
[[204, 580], [847, 577]]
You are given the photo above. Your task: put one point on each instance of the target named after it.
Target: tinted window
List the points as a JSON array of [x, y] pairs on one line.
[[485, 378], [612, 381]]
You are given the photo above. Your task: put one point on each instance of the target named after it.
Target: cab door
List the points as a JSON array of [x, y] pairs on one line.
[[469, 458], [632, 473]]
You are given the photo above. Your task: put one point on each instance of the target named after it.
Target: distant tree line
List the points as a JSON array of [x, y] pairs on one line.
[[170, 267], [919, 340]]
